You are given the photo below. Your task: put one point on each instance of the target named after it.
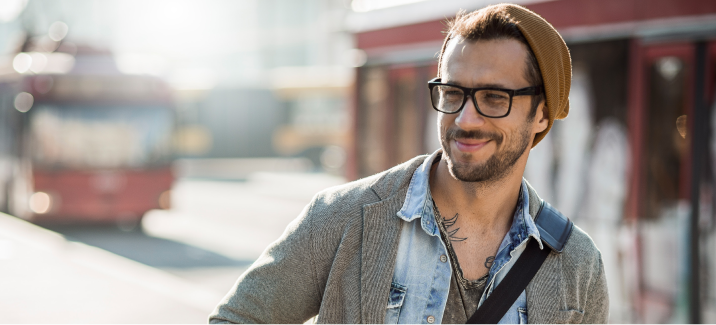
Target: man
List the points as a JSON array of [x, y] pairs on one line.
[[428, 241]]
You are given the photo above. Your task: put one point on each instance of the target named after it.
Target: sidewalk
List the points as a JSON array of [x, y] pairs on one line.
[[46, 279], [236, 219]]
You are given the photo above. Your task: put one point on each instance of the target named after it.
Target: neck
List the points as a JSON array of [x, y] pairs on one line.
[[490, 204]]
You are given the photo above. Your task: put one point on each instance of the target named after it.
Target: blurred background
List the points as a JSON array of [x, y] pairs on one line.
[[150, 150]]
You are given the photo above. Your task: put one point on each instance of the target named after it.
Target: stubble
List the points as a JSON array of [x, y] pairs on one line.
[[497, 166]]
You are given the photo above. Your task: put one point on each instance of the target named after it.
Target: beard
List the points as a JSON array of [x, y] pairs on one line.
[[497, 166]]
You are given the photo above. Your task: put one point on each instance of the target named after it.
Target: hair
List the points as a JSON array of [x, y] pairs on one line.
[[493, 23]]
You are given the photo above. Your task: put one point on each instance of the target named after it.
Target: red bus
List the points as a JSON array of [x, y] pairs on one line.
[[90, 147]]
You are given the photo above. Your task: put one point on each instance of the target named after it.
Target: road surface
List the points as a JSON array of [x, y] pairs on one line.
[[173, 269]]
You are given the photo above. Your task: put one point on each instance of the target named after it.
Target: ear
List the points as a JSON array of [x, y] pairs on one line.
[[541, 120]]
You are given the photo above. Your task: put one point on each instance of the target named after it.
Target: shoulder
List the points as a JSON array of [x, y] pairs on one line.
[[580, 252], [580, 247]]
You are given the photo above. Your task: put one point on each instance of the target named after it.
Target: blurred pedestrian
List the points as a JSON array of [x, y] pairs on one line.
[[457, 236]]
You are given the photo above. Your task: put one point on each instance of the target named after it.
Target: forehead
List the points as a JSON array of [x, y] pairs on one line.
[[500, 62]]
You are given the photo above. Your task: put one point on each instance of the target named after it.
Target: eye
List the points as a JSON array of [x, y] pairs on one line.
[[452, 95], [496, 95], [492, 97]]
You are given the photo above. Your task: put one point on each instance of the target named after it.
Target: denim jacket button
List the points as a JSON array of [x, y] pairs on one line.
[[443, 258], [431, 319]]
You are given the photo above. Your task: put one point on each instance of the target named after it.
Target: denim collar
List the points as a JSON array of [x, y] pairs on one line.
[[418, 204]]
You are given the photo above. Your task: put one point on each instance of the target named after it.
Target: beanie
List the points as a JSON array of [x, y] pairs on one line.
[[553, 58]]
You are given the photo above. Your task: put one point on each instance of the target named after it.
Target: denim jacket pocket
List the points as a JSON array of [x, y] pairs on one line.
[[395, 302], [522, 313]]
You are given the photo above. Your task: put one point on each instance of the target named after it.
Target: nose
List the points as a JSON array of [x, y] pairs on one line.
[[469, 118]]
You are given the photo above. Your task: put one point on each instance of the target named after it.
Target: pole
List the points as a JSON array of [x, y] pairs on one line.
[[698, 150]]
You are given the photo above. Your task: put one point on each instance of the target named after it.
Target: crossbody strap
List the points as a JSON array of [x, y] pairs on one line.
[[502, 298], [554, 229]]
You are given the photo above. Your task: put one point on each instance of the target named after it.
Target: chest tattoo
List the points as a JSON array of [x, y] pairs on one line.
[[489, 261], [452, 230]]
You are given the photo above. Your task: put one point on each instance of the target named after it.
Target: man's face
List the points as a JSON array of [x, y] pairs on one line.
[[478, 148]]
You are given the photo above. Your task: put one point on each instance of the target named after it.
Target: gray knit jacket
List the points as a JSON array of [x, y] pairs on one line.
[[336, 261]]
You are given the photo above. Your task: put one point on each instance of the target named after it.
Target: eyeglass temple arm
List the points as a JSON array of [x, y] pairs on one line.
[[536, 90]]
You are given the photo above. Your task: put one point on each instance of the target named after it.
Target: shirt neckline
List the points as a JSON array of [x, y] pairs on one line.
[[462, 281], [418, 205]]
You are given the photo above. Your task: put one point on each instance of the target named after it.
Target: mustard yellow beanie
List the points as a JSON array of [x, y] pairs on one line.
[[553, 57]]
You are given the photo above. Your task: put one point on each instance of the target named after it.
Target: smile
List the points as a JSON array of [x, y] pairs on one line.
[[470, 145]]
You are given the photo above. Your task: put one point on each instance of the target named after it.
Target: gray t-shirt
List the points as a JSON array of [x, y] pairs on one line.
[[464, 295]]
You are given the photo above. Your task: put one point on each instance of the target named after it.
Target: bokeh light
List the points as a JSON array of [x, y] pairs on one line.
[[58, 31], [40, 202], [10, 9], [24, 101], [22, 62]]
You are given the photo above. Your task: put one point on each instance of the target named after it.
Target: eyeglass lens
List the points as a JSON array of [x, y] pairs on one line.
[[449, 99]]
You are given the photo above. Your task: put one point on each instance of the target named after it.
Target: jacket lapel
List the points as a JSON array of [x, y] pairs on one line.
[[381, 231]]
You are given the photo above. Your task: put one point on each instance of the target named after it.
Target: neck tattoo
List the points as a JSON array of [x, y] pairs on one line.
[[452, 233]]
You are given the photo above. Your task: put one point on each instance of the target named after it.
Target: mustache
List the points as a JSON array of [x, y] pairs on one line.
[[458, 133]]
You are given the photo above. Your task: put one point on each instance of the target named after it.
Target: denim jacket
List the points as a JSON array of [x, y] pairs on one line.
[[421, 278]]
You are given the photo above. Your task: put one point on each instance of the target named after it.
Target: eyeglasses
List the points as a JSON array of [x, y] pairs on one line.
[[489, 101]]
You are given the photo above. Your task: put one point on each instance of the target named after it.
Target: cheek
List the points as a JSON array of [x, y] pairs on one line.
[[446, 120], [443, 123], [511, 132], [519, 133]]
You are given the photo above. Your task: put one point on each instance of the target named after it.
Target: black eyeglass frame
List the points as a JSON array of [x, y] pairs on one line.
[[527, 91]]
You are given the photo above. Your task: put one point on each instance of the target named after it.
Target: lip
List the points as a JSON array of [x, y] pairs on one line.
[[470, 145]]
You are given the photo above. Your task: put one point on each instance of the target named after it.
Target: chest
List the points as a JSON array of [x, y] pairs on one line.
[[473, 248], [423, 274], [475, 259]]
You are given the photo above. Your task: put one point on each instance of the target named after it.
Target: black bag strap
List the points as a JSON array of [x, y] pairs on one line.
[[554, 229], [502, 298]]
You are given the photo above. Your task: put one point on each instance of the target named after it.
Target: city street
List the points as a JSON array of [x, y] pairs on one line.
[[232, 220], [173, 269]]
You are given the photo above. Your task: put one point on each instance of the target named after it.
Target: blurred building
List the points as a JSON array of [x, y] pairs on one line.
[[308, 52], [292, 102], [633, 162], [251, 78]]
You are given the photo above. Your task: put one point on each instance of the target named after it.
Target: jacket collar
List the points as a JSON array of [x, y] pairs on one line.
[[416, 199], [389, 182]]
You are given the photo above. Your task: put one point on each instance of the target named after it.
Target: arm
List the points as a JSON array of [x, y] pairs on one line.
[[280, 287], [596, 309]]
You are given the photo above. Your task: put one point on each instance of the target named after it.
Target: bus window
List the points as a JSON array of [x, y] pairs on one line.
[[87, 137]]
